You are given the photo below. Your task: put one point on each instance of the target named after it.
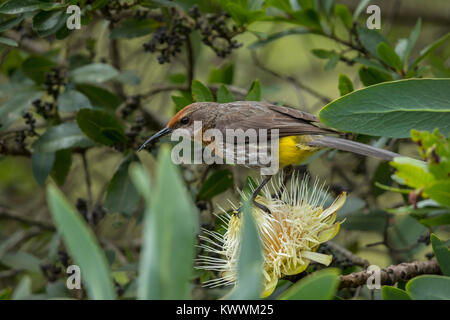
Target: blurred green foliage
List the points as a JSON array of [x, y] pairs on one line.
[[76, 104]]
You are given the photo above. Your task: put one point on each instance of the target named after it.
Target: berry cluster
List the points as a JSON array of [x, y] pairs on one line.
[[98, 211], [132, 103], [136, 129], [215, 32], [54, 82], [168, 40], [51, 272], [43, 108], [29, 120], [20, 139]]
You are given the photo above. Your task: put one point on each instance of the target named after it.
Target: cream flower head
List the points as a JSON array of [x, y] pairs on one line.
[[290, 235]]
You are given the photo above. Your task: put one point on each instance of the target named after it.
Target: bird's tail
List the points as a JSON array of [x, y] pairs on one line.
[[352, 146]]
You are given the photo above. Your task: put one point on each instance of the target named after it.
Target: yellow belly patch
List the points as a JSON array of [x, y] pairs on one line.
[[293, 151]]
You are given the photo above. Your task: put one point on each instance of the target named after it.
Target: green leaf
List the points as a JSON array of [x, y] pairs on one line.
[[254, 93], [332, 62], [63, 136], [414, 35], [344, 14], [392, 293], [388, 55], [437, 220], [5, 294], [46, 23], [180, 102], [222, 75], [430, 48], [19, 6], [370, 76], [323, 54], [442, 254], [82, 246], [100, 97], [36, 68], [224, 95], [41, 165], [283, 5], [15, 106], [128, 77], [200, 92], [250, 264], [121, 195], [141, 181], [374, 64], [73, 100], [321, 285], [308, 18], [170, 229], [345, 85], [429, 287], [101, 127], [360, 8], [370, 39], [133, 28], [94, 73], [10, 23], [61, 168], [440, 192], [413, 176], [23, 289], [422, 104], [218, 182], [372, 221], [241, 15], [8, 42], [21, 260], [178, 78]]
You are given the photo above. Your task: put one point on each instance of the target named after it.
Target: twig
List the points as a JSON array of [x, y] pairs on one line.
[[355, 260], [6, 214], [290, 79], [26, 44], [87, 177], [9, 273], [392, 274], [160, 89], [190, 63], [40, 124]]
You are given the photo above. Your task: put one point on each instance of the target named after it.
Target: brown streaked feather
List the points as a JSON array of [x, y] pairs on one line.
[[262, 115]]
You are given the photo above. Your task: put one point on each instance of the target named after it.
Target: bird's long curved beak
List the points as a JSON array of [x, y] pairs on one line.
[[156, 136]]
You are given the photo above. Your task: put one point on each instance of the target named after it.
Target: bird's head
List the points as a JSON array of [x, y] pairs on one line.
[[185, 118]]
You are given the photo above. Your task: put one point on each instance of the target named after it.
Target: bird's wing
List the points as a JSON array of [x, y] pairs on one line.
[[261, 115]]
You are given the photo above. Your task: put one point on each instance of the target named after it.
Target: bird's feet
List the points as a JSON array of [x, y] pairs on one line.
[[256, 204]]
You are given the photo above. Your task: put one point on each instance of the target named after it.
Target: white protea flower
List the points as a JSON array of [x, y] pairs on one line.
[[290, 235]]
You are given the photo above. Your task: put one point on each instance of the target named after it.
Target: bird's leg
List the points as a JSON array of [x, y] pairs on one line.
[[255, 194]]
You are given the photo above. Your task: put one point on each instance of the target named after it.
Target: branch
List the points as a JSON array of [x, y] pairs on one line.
[[32, 46], [290, 79], [6, 214], [354, 259], [392, 274], [190, 62], [40, 124]]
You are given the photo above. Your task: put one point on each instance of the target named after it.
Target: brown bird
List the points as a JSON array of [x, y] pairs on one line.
[[300, 133]]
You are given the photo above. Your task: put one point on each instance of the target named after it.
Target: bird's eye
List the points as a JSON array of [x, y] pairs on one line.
[[184, 120]]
